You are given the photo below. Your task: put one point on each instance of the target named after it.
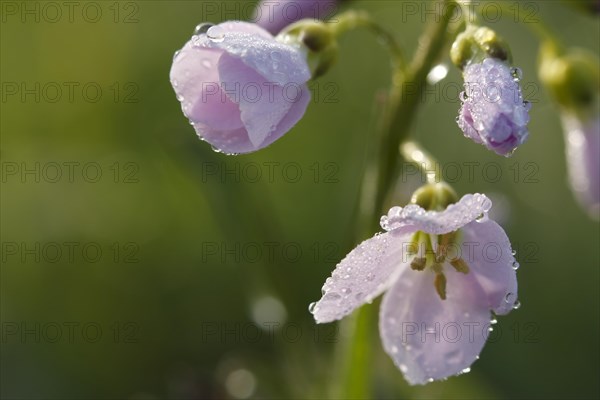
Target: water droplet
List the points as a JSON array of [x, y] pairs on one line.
[[527, 105], [275, 56], [517, 74], [312, 307], [331, 296], [466, 370], [347, 276], [463, 96], [216, 34], [493, 321], [514, 252], [216, 149], [370, 277], [203, 28], [509, 298], [346, 291], [394, 349], [483, 217], [177, 53], [403, 368], [516, 265], [174, 83], [517, 305], [206, 63], [179, 97]]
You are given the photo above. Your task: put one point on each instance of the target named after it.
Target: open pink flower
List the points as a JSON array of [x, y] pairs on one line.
[[240, 88], [439, 289]]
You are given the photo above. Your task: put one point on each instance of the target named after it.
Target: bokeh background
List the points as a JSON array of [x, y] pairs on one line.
[[161, 269]]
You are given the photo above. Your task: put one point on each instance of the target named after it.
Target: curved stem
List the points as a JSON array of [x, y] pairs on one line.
[[539, 28], [352, 19]]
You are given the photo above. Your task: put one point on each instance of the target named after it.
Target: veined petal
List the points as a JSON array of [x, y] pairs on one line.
[[364, 274], [455, 216], [429, 338], [487, 251]]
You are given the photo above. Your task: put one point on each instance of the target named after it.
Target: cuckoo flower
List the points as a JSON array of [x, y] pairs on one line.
[[582, 140], [493, 112], [443, 273], [240, 88], [276, 15]]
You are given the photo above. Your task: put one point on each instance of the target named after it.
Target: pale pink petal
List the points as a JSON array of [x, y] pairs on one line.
[[276, 62], [245, 27], [364, 274], [455, 216], [195, 78], [487, 250], [234, 141], [429, 338], [262, 103], [301, 97]]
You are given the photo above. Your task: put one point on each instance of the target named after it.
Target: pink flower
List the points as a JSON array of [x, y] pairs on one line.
[[240, 88], [582, 140], [440, 285], [274, 15]]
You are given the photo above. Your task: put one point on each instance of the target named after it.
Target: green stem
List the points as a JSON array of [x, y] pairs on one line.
[[353, 19], [405, 100], [400, 113]]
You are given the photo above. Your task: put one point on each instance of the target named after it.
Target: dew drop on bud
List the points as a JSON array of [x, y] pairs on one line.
[[517, 74], [203, 28]]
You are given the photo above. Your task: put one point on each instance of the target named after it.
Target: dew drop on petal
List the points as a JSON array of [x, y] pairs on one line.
[[483, 217], [370, 277], [206, 63], [516, 265], [216, 34], [216, 149], [203, 28], [494, 321], [403, 368], [346, 291], [312, 307], [466, 370], [517, 305], [394, 349], [514, 252], [509, 298]]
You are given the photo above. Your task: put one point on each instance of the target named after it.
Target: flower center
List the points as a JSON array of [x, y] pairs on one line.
[[445, 251]]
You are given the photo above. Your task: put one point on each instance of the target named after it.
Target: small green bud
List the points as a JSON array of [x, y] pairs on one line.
[[434, 196], [319, 41], [573, 78], [476, 44]]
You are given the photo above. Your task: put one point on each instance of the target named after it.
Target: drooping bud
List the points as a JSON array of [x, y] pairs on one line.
[[573, 80], [317, 39]]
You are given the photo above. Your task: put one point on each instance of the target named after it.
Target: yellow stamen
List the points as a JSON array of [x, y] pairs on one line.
[[440, 285]]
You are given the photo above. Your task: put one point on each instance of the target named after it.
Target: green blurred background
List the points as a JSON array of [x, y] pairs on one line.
[[204, 277]]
